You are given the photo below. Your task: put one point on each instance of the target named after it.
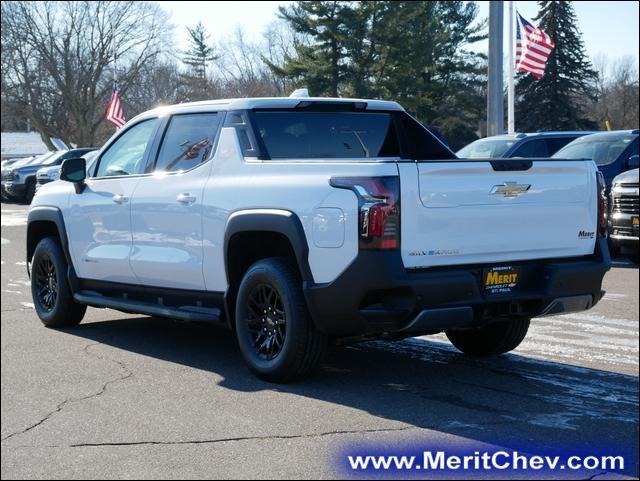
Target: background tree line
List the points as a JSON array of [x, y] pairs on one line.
[[57, 65]]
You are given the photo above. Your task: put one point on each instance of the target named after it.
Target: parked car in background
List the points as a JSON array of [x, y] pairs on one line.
[[13, 164], [623, 213], [49, 174], [536, 145], [8, 162], [613, 152], [19, 182]]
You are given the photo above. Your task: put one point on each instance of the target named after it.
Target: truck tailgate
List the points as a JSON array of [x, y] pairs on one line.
[[465, 212]]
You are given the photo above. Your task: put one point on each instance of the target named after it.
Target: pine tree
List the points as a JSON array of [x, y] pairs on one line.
[[319, 64], [200, 52], [413, 52], [559, 99]]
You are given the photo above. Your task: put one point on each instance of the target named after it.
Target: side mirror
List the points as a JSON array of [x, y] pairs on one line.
[[74, 170], [632, 162]]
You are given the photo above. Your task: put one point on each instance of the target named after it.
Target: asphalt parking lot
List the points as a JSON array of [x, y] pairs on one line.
[[126, 396]]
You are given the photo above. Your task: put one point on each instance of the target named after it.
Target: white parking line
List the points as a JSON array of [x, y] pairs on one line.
[[13, 218]]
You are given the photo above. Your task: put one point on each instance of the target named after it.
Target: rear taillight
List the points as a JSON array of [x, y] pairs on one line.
[[602, 205], [379, 209]]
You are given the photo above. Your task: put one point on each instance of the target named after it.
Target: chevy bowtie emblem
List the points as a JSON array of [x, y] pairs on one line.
[[510, 189]]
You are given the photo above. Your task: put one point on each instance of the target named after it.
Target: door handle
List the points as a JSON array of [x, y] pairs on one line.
[[120, 199], [186, 198]]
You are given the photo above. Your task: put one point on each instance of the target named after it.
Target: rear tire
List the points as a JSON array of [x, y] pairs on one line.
[[277, 337], [490, 340], [52, 297]]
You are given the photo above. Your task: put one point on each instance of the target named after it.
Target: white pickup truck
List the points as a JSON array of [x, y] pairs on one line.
[[303, 221]]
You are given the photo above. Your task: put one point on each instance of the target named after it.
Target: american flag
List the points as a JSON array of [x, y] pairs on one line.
[[533, 48], [114, 113]]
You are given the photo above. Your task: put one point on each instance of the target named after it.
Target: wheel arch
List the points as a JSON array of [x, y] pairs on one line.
[[45, 221], [251, 235]]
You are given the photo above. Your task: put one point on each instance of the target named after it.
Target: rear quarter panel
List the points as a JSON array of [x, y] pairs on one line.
[[302, 187]]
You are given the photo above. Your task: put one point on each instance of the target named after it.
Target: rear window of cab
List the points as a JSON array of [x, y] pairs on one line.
[[348, 136]]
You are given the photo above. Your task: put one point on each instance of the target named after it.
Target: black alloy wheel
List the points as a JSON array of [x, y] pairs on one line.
[[50, 290], [46, 282], [267, 321]]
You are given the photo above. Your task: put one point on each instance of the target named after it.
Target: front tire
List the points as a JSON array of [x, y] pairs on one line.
[[30, 191], [490, 340], [277, 337], [52, 297]]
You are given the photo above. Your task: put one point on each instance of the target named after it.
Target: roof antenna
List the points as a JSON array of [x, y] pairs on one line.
[[300, 93]]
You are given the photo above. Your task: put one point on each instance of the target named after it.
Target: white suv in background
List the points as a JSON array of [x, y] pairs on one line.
[[303, 221], [50, 174]]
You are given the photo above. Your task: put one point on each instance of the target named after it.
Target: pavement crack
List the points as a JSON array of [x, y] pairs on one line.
[[231, 440], [125, 374]]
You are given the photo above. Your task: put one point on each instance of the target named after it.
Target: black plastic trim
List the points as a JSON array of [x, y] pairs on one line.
[[438, 319], [377, 295], [511, 164], [563, 305], [47, 214], [53, 215], [183, 304], [270, 220], [140, 307]]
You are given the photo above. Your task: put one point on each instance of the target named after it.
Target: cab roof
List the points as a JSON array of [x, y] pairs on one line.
[[268, 103]]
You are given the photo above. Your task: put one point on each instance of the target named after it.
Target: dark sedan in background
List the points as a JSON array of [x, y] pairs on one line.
[[536, 145], [613, 152]]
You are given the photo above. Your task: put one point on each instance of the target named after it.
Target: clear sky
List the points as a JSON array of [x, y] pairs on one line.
[[608, 27]]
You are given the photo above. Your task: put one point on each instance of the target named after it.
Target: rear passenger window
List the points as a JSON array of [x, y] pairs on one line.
[[533, 148], [187, 142], [327, 135], [553, 145]]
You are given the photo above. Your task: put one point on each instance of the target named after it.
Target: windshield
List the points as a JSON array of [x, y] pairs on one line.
[[486, 148], [23, 162], [41, 158], [602, 149]]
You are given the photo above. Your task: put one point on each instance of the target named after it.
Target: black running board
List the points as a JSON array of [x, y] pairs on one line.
[[184, 313]]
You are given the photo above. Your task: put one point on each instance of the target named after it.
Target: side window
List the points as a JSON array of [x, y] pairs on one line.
[[533, 148], [126, 155], [634, 149], [187, 142], [553, 145]]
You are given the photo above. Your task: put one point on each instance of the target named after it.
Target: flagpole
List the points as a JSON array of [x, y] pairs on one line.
[[113, 48], [495, 80], [511, 82]]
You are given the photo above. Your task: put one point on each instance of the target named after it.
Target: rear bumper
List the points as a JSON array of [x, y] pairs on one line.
[[376, 295]]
